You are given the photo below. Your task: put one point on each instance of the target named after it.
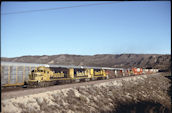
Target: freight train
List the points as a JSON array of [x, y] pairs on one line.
[[46, 76], [17, 74]]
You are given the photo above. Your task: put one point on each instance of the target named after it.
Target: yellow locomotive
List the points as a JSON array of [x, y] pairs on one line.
[[46, 76]]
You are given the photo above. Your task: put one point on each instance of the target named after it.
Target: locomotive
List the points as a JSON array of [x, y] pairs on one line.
[[46, 76]]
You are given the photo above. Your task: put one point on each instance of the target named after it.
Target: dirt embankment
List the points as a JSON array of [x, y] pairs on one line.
[[148, 93]]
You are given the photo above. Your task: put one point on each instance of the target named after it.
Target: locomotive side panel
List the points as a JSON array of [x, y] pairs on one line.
[[59, 73]]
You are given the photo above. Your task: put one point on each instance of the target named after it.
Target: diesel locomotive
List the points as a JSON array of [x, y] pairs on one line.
[[46, 76]]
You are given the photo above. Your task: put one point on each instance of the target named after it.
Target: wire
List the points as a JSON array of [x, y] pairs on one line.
[[56, 8]]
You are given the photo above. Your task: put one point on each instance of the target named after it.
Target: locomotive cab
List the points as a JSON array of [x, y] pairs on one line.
[[39, 74]]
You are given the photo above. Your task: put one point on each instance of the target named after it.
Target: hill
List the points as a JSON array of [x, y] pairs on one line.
[[107, 60]]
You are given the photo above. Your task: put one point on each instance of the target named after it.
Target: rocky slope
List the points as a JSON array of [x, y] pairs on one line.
[[107, 60], [138, 94]]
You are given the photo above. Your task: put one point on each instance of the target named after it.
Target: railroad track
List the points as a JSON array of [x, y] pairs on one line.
[[12, 93], [26, 87]]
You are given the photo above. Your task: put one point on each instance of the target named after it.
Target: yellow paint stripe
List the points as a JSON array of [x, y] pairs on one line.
[[18, 84]]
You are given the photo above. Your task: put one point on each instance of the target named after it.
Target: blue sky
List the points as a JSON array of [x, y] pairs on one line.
[[117, 28]]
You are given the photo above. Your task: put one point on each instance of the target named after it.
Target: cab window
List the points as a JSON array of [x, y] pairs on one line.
[[40, 70]]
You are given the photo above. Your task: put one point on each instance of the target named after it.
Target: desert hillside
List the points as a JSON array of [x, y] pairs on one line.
[[108, 60]]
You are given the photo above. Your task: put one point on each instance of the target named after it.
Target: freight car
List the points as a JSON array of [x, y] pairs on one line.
[[137, 71], [45, 76]]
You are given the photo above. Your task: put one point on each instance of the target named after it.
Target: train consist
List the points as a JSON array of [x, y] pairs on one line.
[[46, 76], [18, 74]]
